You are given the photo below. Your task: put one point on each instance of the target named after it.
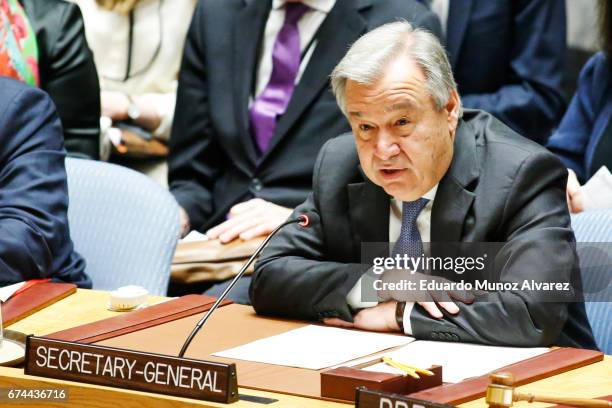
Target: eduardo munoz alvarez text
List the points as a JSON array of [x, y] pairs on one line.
[[458, 265]]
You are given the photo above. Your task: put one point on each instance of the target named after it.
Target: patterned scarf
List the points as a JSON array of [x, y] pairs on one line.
[[18, 47]]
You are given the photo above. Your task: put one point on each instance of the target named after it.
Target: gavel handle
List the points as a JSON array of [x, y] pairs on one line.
[[575, 402]]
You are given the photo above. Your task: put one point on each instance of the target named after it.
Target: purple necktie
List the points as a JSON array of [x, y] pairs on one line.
[[274, 99]]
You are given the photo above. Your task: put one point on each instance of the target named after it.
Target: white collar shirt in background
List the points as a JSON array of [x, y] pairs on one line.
[[308, 26]]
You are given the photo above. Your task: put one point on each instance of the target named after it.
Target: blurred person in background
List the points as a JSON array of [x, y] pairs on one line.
[[42, 43], [34, 233], [583, 140], [508, 58], [137, 46]]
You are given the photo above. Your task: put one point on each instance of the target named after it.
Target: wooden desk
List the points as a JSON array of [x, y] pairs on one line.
[[87, 306]]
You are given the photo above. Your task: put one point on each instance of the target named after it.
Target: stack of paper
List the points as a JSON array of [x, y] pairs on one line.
[[314, 347], [458, 360]]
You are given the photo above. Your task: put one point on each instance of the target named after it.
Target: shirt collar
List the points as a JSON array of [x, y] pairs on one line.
[[430, 195], [324, 6]]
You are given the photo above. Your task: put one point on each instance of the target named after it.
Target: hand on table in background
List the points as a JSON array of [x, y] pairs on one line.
[[379, 318], [574, 195], [114, 105], [250, 219]]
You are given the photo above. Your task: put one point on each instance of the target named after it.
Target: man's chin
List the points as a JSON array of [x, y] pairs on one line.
[[400, 191]]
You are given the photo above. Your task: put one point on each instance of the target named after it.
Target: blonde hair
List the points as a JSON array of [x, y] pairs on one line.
[[119, 6]]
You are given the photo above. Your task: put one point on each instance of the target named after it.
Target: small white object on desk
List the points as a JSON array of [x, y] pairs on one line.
[[127, 298], [195, 236]]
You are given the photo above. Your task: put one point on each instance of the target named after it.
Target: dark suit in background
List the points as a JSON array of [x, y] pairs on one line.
[[213, 162], [583, 141], [67, 72], [507, 58], [500, 187], [34, 234]]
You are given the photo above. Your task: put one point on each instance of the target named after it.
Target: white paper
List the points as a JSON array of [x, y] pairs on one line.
[[597, 191], [458, 360], [7, 291], [195, 236], [314, 347]]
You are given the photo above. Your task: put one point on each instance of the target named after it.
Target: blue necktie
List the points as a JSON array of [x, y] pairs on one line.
[[409, 241]]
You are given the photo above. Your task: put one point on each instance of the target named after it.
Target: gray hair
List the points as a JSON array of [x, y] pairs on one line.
[[366, 59]]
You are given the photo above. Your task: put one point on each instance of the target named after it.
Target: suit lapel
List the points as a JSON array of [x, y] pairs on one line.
[[343, 25], [369, 213], [248, 32], [453, 200], [458, 17]]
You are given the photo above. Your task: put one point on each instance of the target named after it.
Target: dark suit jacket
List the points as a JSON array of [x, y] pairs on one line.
[[500, 187], [213, 162], [67, 72], [584, 138], [34, 234], [507, 56]]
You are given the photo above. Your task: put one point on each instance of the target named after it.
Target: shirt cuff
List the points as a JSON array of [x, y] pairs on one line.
[[407, 325], [354, 298]]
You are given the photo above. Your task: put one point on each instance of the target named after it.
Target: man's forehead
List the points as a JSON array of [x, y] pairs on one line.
[[401, 104]]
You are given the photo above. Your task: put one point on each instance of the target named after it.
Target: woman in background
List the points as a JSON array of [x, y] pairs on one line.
[[137, 46], [583, 140], [42, 43]]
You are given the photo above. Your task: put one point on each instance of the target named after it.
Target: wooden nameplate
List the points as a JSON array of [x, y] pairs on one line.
[[546, 365], [33, 299], [365, 398], [341, 382], [182, 377], [137, 320]]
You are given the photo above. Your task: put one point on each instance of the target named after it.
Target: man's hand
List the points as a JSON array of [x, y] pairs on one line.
[[379, 318], [184, 225], [431, 301], [434, 311], [574, 195], [250, 219], [115, 105]]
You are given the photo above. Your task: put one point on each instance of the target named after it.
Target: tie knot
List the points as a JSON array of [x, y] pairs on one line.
[[294, 11], [411, 209]]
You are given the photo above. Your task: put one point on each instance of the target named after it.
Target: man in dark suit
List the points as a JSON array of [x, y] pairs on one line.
[[416, 171], [238, 150], [507, 58], [34, 234]]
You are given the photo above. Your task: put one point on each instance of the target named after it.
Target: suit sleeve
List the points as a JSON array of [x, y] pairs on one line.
[[194, 160], [34, 235], [536, 223], [71, 80], [570, 140], [294, 276], [532, 103]]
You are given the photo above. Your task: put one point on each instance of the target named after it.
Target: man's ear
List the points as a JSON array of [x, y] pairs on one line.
[[452, 111]]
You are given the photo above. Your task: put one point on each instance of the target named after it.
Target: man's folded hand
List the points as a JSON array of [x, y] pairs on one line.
[[250, 219]]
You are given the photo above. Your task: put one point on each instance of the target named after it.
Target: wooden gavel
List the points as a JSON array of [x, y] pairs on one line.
[[501, 394]]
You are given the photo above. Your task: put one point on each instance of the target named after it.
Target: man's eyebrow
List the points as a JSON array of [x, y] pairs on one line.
[[355, 113], [399, 106]]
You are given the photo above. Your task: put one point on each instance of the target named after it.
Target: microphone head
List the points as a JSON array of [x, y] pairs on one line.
[[305, 221]]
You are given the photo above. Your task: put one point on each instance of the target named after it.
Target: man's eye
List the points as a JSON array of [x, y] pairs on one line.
[[365, 128], [402, 122]]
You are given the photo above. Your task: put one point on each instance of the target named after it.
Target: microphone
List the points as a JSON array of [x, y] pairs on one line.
[[304, 222]]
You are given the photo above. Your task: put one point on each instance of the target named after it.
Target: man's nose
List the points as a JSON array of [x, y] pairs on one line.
[[386, 146]]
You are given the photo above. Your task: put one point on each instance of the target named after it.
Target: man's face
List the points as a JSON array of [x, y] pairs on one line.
[[405, 144]]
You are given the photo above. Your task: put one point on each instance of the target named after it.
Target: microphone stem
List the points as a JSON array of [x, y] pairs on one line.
[[239, 275]]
